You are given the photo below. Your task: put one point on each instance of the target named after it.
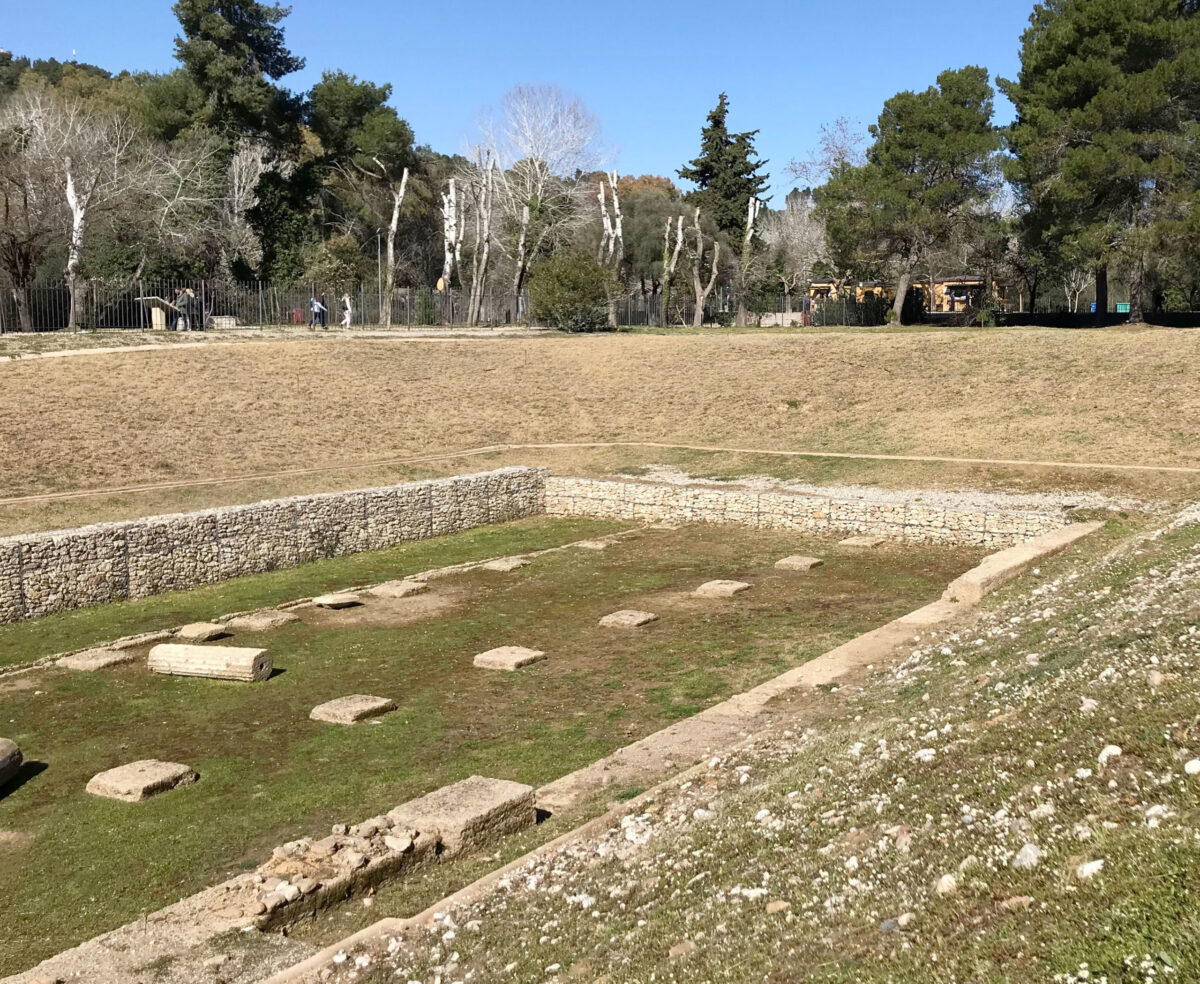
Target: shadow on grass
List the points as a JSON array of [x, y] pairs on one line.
[[27, 772]]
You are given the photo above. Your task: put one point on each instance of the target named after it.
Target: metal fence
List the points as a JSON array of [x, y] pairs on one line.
[[224, 305]]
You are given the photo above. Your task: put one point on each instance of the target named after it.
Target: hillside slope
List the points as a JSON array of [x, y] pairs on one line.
[[1018, 802]]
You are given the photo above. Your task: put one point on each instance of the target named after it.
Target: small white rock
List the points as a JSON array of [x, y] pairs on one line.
[[1109, 752], [1089, 869], [1192, 768], [947, 885], [1027, 858]]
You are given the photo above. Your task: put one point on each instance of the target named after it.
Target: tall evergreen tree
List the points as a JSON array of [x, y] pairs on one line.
[[1105, 148], [726, 173], [927, 174], [235, 51]]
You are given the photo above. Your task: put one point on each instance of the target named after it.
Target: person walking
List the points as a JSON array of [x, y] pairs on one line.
[[191, 307], [177, 315], [314, 312], [323, 313], [347, 312]]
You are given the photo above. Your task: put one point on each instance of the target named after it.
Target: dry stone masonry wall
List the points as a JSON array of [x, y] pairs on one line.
[[51, 572], [905, 520]]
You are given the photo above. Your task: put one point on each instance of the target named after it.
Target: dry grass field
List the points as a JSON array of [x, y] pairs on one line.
[[144, 418]]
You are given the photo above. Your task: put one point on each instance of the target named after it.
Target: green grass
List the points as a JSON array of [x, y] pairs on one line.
[[1009, 737], [23, 642], [268, 774]]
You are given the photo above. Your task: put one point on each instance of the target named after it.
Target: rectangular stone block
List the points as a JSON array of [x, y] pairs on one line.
[[508, 658], [720, 589], [137, 781], [399, 589], [469, 813], [798, 563], [628, 619], [352, 709], [92, 660], [215, 662]]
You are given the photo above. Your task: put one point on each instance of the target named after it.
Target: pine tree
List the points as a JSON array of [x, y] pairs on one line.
[[1107, 101], [234, 50], [927, 174], [726, 173]]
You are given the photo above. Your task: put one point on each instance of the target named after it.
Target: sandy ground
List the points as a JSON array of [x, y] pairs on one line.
[[212, 411]]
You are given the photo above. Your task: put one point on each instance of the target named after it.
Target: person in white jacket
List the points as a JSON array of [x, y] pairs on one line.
[[346, 311]]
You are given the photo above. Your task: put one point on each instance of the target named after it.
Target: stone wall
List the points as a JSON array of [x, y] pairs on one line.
[[901, 520], [42, 573]]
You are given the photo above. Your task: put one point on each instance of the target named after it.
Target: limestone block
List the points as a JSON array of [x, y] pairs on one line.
[[140, 780], [352, 709], [856, 544], [201, 632], [469, 813], [10, 761], [96, 659], [628, 619], [506, 564], [508, 658], [218, 662], [798, 563], [266, 621], [399, 589], [720, 589], [594, 544], [340, 599]]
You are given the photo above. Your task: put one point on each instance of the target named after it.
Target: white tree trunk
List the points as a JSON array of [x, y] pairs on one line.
[[450, 233], [389, 280], [483, 193], [78, 206], [670, 261], [701, 289]]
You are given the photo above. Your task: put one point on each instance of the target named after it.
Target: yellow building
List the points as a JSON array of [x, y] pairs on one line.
[[950, 294]]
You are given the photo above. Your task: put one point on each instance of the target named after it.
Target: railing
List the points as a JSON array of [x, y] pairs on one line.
[[224, 305]]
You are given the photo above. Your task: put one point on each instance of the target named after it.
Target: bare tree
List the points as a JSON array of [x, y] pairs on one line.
[[541, 141], [746, 269], [701, 288], [796, 238], [612, 240], [1075, 280], [670, 260], [480, 180], [68, 167], [842, 143]]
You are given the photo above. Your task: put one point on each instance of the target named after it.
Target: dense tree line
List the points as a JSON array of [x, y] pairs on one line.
[[217, 170]]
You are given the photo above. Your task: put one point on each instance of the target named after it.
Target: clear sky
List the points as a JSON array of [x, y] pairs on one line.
[[649, 70]]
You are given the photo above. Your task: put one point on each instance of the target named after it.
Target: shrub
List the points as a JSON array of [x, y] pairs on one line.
[[572, 292]]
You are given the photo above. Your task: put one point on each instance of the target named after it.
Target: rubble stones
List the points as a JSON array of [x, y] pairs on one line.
[[352, 709], [140, 780], [902, 520]]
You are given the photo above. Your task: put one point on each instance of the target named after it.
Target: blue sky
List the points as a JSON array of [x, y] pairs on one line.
[[650, 71]]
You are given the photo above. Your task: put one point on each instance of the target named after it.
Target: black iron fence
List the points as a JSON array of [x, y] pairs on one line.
[[208, 305]]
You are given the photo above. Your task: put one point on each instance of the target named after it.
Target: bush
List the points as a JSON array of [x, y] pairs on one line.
[[572, 292]]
